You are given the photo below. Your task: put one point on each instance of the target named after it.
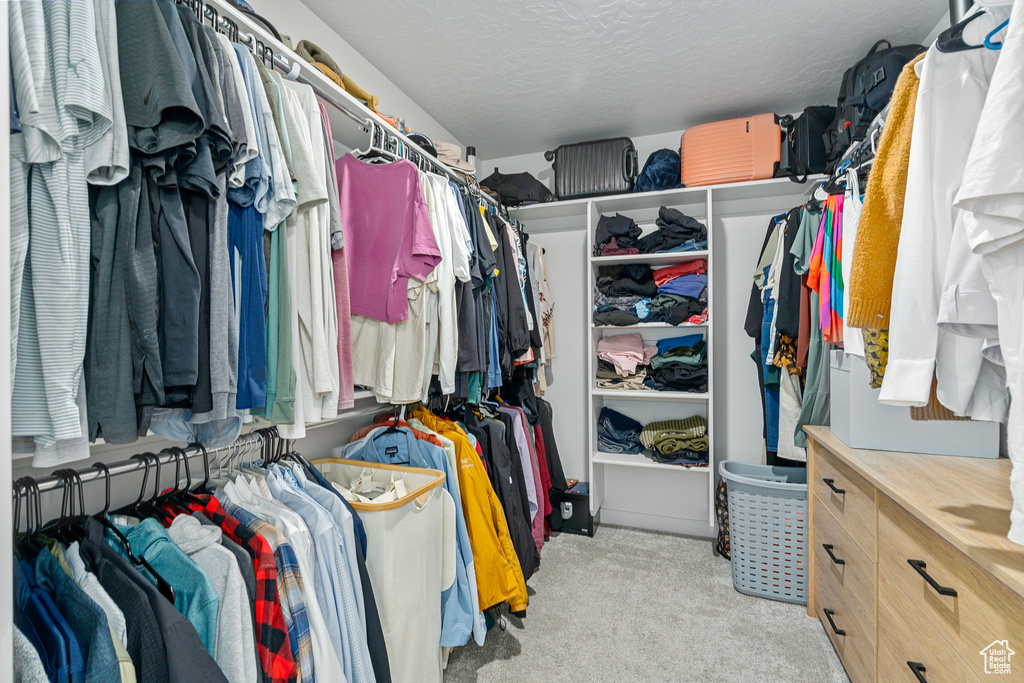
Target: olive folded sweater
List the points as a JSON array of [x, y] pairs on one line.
[[878, 233]]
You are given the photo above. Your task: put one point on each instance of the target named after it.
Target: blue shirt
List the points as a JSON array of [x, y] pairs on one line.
[[245, 234], [494, 354], [458, 608], [688, 341], [686, 285], [333, 583], [258, 187], [343, 520], [357, 524], [85, 618], [194, 595], [45, 628]]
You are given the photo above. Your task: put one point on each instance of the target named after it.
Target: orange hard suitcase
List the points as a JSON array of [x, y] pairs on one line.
[[731, 151]]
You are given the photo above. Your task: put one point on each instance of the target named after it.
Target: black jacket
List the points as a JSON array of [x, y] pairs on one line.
[[500, 471]]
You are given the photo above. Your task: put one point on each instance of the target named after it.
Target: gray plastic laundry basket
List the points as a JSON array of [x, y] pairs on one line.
[[768, 529]]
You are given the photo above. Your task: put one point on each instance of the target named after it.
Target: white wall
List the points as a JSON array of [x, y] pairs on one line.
[[565, 258], [292, 18], [535, 163]]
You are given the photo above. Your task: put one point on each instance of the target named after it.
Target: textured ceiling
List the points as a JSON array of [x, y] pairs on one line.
[[518, 76]]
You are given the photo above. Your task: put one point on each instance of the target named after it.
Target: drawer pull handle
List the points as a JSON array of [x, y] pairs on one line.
[[919, 670], [828, 615], [831, 483], [919, 566], [828, 549]]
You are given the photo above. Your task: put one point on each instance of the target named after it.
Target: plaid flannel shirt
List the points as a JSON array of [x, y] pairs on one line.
[[290, 587], [273, 643]]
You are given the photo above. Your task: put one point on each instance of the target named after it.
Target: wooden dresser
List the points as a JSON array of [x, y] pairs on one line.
[[910, 570]]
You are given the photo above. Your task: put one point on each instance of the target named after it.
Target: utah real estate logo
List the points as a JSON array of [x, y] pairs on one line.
[[997, 657]]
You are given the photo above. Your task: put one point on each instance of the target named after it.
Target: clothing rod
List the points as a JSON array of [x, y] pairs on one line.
[[53, 482], [292, 69], [958, 10]]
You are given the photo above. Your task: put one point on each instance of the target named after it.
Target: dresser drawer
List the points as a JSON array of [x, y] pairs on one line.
[[907, 641], [839, 615], [848, 496], [967, 608], [848, 568]]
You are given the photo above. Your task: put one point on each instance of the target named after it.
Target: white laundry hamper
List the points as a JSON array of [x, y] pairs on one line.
[[768, 529], [410, 558]]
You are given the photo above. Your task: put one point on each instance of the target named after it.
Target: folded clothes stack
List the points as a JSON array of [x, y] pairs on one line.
[[616, 236], [676, 232], [680, 442], [618, 433], [630, 294], [607, 378], [620, 235], [679, 365], [625, 352], [621, 294]]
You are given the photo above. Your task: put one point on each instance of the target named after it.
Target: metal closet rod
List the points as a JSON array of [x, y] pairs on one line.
[[293, 70], [52, 482]]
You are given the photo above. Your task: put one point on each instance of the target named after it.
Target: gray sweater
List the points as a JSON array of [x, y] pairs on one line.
[[234, 652]]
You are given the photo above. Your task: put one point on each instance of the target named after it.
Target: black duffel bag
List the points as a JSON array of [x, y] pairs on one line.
[[517, 189], [804, 143]]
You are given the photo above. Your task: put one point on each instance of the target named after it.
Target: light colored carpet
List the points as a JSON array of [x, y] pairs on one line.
[[629, 605]]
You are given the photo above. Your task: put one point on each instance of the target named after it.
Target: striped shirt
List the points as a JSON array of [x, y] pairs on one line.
[[73, 113]]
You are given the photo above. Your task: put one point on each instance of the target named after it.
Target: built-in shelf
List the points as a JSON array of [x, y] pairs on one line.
[[650, 326], [665, 258], [650, 395], [640, 460], [772, 188]]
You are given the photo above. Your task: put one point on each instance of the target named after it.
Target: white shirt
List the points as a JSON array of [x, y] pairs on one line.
[[325, 658], [91, 585], [992, 196], [950, 99], [853, 339]]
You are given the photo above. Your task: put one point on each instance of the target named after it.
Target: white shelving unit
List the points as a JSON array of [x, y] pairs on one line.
[[648, 405], [634, 490]]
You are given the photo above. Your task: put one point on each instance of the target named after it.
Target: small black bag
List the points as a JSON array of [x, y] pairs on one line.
[[866, 89], [517, 189], [804, 143]]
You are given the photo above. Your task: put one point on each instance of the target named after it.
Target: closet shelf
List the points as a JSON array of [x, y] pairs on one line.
[[650, 326], [731, 192], [666, 258], [650, 395], [640, 460]]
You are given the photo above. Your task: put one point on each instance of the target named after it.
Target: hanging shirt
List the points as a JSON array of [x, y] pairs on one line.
[[194, 595], [499, 577], [992, 197], [387, 234], [949, 103], [333, 579]]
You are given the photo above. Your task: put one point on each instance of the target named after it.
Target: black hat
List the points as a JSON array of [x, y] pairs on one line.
[[424, 142]]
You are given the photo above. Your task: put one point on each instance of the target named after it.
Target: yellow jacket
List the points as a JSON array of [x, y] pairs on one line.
[[499, 578]]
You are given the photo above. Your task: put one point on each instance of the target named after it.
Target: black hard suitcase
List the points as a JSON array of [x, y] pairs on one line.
[[592, 169]]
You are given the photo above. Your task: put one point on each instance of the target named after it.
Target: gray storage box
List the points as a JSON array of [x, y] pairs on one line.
[[860, 421]]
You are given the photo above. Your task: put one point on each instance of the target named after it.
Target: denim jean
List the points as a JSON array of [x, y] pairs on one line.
[[771, 376], [618, 433]]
